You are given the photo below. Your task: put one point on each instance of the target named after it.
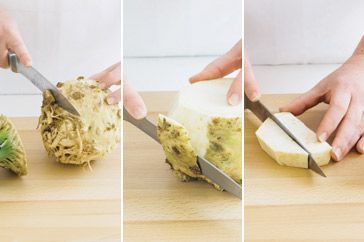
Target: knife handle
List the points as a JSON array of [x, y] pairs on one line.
[[143, 124], [13, 61], [258, 109], [246, 101]]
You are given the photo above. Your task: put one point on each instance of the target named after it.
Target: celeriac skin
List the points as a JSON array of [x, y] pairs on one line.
[[12, 153], [78, 140], [205, 125]]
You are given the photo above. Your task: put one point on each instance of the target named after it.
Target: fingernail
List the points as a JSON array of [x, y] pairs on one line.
[[255, 97], [337, 153], [111, 100], [139, 113], [323, 137], [102, 85], [234, 99]]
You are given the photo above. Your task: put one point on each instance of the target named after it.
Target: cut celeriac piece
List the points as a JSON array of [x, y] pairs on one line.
[[12, 153], [180, 154], [203, 123], [284, 150]]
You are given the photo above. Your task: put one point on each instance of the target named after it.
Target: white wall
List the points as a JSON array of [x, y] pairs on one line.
[[293, 43], [180, 27], [167, 41], [66, 38], [302, 31]]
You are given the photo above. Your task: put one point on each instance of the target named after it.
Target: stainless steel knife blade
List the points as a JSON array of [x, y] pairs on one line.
[[40, 81], [207, 169], [219, 177], [262, 112], [312, 165], [143, 124]]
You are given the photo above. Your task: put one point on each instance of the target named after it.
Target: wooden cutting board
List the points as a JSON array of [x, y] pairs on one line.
[[56, 202], [157, 206], [291, 204]]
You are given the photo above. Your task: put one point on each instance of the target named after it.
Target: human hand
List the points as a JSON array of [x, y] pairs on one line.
[[251, 87], [108, 77], [223, 66], [133, 102], [10, 38], [343, 90]]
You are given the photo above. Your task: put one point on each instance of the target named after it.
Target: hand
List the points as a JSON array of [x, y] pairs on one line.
[[251, 87], [10, 38], [133, 102], [222, 66], [343, 90], [107, 78]]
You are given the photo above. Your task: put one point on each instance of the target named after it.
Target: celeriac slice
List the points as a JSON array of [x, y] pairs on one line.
[[284, 150]]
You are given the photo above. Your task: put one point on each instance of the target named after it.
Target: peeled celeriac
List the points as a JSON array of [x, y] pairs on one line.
[[284, 150], [203, 123], [78, 140]]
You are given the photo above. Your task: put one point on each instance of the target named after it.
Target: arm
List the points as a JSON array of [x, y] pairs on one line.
[[343, 90], [360, 48]]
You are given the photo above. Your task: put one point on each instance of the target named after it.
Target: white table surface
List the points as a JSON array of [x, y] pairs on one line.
[[152, 74]]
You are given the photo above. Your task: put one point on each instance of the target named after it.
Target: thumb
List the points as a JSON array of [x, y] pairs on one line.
[[234, 93], [250, 83], [133, 102], [114, 97], [16, 43]]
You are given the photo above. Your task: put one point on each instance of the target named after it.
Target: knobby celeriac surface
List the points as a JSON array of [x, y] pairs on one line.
[[180, 154], [79, 140], [12, 154], [202, 123]]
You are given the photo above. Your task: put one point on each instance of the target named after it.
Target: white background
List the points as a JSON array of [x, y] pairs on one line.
[[302, 31], [165, 41], [66, 38], [295, 43]]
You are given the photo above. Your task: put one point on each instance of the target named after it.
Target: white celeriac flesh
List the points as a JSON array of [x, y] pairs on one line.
[[286, 151]]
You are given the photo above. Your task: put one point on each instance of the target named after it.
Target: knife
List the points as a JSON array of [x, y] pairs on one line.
[[40, 81], [262, 112], [207, 168]]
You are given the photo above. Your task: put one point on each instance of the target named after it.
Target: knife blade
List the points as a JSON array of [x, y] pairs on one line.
[[143, 124], [262, 112], [219, 177], [40, 81], [207, 168]]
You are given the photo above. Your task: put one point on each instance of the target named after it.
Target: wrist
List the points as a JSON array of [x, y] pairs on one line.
[[360, 48]]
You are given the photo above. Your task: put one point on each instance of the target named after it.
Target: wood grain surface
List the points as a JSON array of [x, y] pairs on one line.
[[159, 207], [56, 202], [293, 204]]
